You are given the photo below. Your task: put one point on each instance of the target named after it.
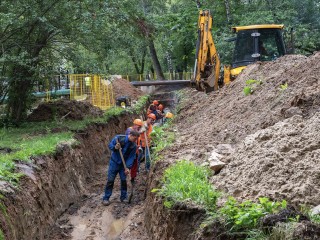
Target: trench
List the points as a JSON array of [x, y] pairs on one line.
[[60, 196]]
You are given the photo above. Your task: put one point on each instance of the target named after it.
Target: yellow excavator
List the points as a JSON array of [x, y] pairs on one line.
[[252, 43]]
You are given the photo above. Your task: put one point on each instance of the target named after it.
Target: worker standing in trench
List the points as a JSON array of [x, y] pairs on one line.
[[145, 137], [137, 124], [128, 147]]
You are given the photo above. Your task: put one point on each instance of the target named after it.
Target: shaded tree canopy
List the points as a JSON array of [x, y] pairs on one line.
[[39, 38]]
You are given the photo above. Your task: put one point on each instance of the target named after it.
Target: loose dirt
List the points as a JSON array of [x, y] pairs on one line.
[[66, 109], [122, 87], [269, 139]]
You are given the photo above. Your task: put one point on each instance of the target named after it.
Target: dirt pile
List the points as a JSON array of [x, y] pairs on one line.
[[281, 162], [221, 121], [122, 87], [67, 109]]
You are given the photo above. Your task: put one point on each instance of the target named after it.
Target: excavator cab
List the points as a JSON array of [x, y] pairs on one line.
[[253, 43], [256, 43]]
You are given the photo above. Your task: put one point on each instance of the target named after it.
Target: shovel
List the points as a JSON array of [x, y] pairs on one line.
[[147, 145], [125, 168], [131, 193]]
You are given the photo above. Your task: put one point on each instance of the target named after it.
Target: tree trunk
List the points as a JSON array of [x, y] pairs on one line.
[[227, 5], [155, 61], [139, 66], [20, 88]]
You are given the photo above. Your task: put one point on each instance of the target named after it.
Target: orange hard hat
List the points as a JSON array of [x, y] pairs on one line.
[[138, 122], [169, 115], [155, 102], [151, 115], [160, 107]]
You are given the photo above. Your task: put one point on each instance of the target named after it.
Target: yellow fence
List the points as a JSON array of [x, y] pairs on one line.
[[168, 76], [93, 88]]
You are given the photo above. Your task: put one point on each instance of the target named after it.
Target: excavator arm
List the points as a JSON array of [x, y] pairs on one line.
[[207, 64]]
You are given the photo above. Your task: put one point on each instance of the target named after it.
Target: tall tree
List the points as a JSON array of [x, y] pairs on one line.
[[28, 29]]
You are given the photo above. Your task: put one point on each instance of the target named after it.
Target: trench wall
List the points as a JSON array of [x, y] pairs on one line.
[[179, 223], [55, 182]]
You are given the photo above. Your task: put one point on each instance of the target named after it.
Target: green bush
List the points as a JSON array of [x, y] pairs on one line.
[[185, 182], [245, 215]]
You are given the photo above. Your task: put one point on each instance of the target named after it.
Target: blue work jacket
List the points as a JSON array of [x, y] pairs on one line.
[[128, 150]]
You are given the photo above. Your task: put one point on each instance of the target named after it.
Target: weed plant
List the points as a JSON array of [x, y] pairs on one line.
[[245, 215], [283, 231], [161, 139], [315, 218], [184, 182], [283, 87], [251, 85]]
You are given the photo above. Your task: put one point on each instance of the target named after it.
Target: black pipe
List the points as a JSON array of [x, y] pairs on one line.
[[164, 82]]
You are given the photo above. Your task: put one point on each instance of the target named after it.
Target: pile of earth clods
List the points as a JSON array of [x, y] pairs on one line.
[[123, 87], [269, 138], [66, 109]]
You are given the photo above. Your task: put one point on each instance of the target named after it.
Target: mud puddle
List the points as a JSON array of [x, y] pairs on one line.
[[100, 223]]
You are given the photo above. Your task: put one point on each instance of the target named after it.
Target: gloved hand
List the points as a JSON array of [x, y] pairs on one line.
[[140, 150], [143, 128], [117, 146]]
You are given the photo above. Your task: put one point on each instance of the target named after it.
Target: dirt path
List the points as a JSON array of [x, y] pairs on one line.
[[90, 220]]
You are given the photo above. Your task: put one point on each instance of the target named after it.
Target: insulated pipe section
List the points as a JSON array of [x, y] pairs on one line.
[[164, 82]]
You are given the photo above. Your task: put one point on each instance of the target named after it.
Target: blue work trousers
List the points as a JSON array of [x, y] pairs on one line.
[[145, 154], [114, 169]]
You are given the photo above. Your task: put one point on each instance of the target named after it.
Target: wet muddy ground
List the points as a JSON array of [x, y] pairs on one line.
[[90, 220]]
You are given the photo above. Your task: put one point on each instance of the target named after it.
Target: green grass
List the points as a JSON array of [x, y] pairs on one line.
[[34, 139], [161, 139], [24, 146], [185, 182], [315, 218], [282, 231], [1, 235]]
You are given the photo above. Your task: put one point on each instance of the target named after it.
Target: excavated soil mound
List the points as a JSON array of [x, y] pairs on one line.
[[73, 110], [281, 158], [281, 162], [122, 87]]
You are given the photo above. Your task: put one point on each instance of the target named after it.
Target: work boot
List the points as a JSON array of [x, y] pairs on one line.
[[105, 202], [126, 201]]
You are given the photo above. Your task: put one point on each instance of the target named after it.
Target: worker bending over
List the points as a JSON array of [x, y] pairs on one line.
[[137, 124], [128, 147]]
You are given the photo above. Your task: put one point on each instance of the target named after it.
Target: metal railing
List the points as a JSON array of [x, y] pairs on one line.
[[93, 88]]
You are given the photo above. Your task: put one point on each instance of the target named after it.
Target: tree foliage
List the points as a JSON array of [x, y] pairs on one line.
[[39, 38]]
